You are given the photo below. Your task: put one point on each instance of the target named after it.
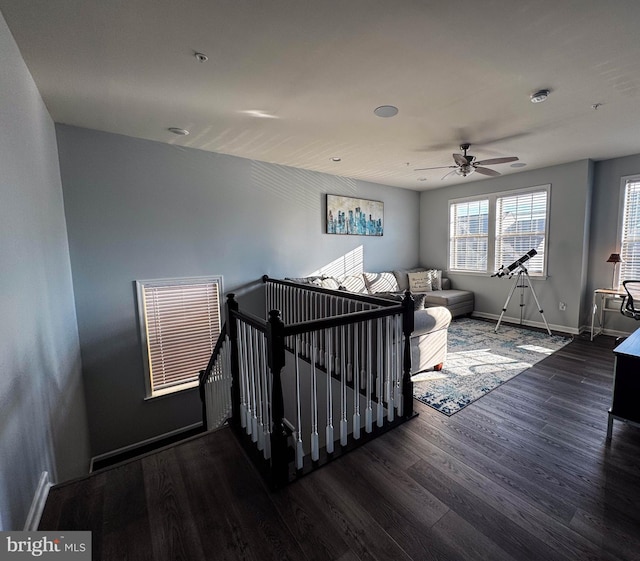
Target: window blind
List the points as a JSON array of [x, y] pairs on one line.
[[468, 236], [181, 320], [630, 241], [521, 225]]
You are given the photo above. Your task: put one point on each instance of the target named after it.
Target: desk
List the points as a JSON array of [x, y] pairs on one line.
[[604, 294], [626, 383]]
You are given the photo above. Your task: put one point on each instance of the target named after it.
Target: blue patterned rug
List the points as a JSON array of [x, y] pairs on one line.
[[479, 360]]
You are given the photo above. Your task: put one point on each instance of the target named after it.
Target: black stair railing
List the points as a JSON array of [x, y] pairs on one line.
[[360, 355]]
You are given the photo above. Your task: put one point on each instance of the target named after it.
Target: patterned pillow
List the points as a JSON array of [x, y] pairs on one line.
[[420, 282], [330, 282], [354, 283], [436, 278], [381, 282]]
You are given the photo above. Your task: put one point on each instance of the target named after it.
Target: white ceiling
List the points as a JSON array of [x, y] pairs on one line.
[[458, 72]]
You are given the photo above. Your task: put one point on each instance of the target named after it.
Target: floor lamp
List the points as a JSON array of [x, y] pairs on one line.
[[615, 259]]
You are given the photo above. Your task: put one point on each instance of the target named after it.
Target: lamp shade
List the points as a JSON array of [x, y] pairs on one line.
[[614, 258]]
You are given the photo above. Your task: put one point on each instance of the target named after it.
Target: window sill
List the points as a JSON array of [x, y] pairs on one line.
[[172, 391], [490, 275]]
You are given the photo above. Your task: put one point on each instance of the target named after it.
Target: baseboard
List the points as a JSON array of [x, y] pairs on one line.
[[528, 323], [38, 502], [143, 443], [586, 329]]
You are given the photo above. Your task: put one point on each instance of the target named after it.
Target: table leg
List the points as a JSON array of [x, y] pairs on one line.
[[593, 314]]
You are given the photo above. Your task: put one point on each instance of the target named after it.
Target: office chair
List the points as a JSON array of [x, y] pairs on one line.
[[630, 306]]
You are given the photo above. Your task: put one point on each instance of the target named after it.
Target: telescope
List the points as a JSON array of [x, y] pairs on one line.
[[517, 263]]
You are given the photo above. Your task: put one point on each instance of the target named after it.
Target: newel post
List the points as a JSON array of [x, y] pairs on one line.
[[407, 330], [232, 307], [276, 354]]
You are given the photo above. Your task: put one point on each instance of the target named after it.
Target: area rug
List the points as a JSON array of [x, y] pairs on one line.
[[479, 360]]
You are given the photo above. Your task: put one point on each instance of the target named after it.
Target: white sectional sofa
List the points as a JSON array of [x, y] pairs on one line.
[[432, 314]]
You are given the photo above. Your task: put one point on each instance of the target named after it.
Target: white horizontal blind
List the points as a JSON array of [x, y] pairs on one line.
[[630, 246], [521, 225], [468, 235], [181, 319]]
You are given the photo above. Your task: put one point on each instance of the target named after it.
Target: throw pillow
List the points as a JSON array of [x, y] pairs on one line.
[[330, 282], [354, 283], [436, 278], [381, 282], [420, 282]]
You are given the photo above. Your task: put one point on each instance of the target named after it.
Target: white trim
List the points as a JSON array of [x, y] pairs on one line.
[[140, 285], [605, 331], [621, 207], [140, 444], [528, 323], [38, 503], [492, 199]]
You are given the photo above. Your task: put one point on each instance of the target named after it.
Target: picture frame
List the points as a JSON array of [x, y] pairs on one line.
[[354, 217]]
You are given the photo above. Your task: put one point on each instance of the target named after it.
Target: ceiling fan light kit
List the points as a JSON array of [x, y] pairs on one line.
[[466, 164]]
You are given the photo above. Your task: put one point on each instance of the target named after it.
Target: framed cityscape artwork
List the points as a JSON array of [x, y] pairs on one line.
[[358, 217]]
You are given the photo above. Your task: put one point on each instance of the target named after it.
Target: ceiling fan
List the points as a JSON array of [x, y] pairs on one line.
[[466, 164]]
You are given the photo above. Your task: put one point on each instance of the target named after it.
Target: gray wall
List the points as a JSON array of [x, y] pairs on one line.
[[605, 234], [141, 210], [570, 208], [42, 410]]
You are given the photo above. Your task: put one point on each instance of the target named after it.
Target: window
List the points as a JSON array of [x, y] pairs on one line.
[[521, 225], [630, 229], [493, 230], [180, 324], [468, 226]]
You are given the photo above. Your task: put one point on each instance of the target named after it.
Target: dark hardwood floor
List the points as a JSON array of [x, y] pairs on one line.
[[524, 473]]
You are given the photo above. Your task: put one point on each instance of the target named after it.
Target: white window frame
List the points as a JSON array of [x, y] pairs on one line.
[[453, 237], [492, 266], [540, 257], [141, 289], [622, 218]]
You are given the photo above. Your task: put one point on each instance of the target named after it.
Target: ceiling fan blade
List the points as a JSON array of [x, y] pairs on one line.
[[460, 159], [448, 174], [494, 161], [439, 167], [487, 171]]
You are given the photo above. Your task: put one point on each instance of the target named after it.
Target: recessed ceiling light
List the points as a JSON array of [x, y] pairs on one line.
[[518, 165], [201, 57], [540, 96], [386, 111], [336, 159], [178, 131]]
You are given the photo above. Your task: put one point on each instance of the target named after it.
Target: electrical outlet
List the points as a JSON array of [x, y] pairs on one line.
[[562, 307]]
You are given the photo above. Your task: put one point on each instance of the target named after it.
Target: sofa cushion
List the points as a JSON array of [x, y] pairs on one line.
[[381, 282], [330, 282], [419, 282], [354, 283], [418, 299], [448, 297]]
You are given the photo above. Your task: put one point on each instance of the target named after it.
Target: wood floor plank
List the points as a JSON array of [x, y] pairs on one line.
[[524, 473], [125, 522], [173, 534]]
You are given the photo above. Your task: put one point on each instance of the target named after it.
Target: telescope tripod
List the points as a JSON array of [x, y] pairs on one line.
[[522, 271]]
